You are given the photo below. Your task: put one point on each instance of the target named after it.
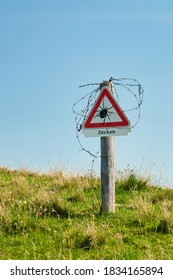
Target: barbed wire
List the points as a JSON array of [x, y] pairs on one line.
[[82, 114], [138, 96], [130, 85]]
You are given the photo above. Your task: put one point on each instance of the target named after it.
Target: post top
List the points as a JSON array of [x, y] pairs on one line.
[[107, 84]]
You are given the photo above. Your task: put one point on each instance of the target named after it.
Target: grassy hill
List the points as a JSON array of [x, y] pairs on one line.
[[57, 216]]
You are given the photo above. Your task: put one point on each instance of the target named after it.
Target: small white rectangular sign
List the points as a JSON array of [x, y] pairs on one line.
[[104, 132]]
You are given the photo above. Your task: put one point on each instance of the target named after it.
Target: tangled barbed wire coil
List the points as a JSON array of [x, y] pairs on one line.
[[121, 86]]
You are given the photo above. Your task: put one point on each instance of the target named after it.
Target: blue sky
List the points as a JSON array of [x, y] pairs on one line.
[[50, 47]]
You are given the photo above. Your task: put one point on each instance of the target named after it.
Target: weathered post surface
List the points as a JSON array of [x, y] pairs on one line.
[[107, 169]]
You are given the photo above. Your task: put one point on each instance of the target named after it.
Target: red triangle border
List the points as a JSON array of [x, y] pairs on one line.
[[124, 120]]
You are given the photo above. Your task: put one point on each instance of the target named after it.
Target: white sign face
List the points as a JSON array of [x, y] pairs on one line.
[[106, 118], [105, 113], [103, 132]]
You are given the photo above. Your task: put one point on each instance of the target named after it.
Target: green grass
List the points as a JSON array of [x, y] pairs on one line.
[[56, 216]]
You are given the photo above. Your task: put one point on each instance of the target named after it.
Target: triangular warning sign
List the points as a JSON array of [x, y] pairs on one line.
[[106, 113]]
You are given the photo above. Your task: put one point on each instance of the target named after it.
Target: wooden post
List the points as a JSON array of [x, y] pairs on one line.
[[107, 169]]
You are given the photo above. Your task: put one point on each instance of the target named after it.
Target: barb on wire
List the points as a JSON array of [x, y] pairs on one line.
[[131, 86]]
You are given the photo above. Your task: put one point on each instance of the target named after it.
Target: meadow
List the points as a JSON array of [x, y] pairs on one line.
[[57, 217]]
